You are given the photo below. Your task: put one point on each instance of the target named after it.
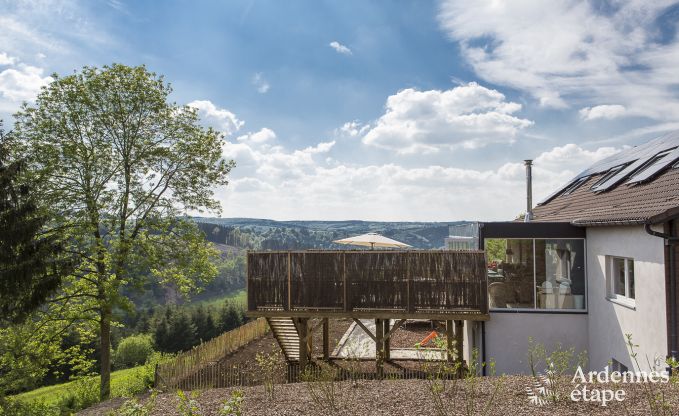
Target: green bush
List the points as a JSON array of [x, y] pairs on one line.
[[83, 393], [13, 407], [133, 350]]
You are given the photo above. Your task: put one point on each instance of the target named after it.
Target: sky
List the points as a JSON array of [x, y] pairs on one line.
[[382, 110]]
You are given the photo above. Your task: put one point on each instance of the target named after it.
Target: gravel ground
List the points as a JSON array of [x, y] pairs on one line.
[[408, 397]]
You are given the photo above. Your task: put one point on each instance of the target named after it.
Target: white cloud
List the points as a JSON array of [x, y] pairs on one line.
[[261, 84], [339, 48], [6, 59], [263, 135], [22, 83], [219, 118], [468, 116], [567, 53], [602, 111], [272, 182], [352, 129]]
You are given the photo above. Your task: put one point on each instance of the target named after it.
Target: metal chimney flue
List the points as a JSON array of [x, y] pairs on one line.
[[529, 190]]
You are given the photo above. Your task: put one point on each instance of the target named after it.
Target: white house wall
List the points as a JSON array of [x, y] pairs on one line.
[[507, 336], [608, 321]]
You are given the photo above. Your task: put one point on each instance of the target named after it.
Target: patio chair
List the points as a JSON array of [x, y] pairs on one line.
[[500, 294]]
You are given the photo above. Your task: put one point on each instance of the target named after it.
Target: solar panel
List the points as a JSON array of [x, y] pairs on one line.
[[575, 185], [655, 167], [611, 173], [620, 176]]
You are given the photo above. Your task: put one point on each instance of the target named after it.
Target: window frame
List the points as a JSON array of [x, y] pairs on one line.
[[611, 278], [535, 308]]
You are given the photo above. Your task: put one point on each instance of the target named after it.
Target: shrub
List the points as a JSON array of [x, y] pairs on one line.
[[133, 407], [12, 407], [269, 367], [325, 391], [234, 405], [83, 394], [141, 378], [133, 350], [188, 404]]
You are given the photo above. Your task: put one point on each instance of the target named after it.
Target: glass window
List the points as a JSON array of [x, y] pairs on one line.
[[510, 273], [560, 274], [621, 278], [536, 273], [630, 277]]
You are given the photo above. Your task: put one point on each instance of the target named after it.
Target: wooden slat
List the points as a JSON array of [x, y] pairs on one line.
[[415, 281]]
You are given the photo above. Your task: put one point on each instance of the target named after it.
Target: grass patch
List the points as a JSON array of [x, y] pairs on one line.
[[238, 297], [120, 380]]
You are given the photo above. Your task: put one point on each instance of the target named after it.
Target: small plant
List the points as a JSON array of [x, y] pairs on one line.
[[536, 353], [188, 404], [655, 398], [557, 363], [321, 383], [472, 391], [270, 365], [234, 405], [673, 365], [355, 351], [442, 378], [134, 407]]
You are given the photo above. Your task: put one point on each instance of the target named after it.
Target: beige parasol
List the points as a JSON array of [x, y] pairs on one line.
[[372, 240]]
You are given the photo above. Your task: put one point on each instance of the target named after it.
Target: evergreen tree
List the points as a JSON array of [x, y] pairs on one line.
[[161, 335], [210, 326], [200, 322], [30, 269], [230, 318], [182, 332]]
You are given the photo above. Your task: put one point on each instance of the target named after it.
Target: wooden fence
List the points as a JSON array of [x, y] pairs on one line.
[[194, 363], [344, 281], [221, 375]]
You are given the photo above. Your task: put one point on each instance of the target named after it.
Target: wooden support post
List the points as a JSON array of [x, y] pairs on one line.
[[386, 328], [449, 341], [459, 328], [379, 348], [326, 339], [303, 344]]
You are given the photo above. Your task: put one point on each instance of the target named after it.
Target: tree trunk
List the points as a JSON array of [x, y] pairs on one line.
[[105, 341]]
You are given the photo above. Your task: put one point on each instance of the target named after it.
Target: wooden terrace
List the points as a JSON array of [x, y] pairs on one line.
[[290, 287]]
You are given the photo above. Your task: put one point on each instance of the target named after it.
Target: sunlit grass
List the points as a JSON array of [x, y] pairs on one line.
[[52, 394]]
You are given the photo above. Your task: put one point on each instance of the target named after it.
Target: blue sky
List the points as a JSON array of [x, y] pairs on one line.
[[408, 110]]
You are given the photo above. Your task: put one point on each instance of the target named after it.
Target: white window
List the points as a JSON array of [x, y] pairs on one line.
[[621, 279]]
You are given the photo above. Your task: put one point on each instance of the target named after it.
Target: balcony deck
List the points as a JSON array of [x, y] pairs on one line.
[[380, 284]]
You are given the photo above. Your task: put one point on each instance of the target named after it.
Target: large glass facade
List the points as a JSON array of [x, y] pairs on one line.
[[536, 273]]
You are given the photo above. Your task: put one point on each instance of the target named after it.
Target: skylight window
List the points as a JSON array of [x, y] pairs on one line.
[[574, 185], [654, 166], [611, 173], [620, 176]]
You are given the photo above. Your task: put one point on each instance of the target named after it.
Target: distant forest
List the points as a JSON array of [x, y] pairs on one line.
[[259, 234]]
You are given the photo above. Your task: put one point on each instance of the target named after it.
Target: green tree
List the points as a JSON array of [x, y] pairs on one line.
[[31, 263], [230, 317], [210, 326], [181, 332], [161, 334], [199, 318], [118, 164]]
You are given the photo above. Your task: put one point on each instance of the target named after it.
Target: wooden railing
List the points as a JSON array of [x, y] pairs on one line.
[[346, 281], [194, 362]]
